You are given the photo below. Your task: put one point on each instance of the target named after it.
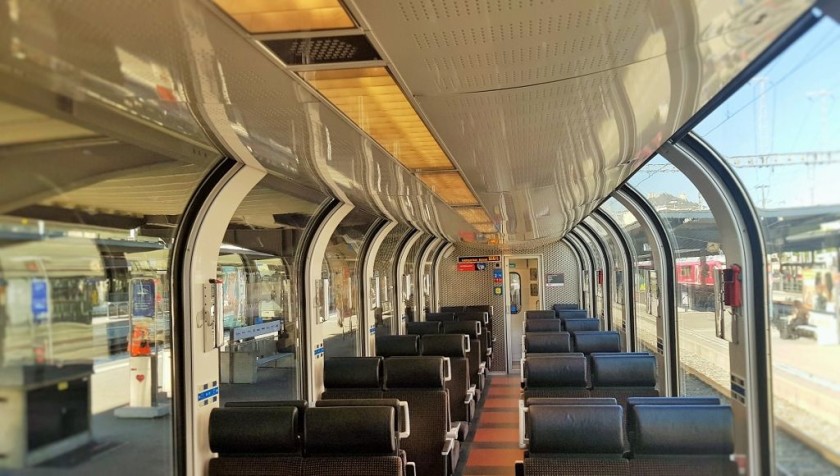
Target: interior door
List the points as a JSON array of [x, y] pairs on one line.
[[523, 294]]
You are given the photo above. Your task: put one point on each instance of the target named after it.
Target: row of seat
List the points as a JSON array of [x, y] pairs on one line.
[[482, 314], [670, 436], [557, 325], [586, 342], [462, 361], [557, 314], [433, 444], [268, 438]]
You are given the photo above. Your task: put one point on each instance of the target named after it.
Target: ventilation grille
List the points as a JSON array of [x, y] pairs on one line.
[[328, 49]]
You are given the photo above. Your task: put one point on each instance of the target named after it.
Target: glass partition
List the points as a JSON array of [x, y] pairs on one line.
[[779, 133], [261, 355], [341, 272], [694, 234], [383, 279], [646, 292], [86, 228], [597, 272]]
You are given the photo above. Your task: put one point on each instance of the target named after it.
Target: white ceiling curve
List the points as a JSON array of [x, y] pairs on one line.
[[546, 106]]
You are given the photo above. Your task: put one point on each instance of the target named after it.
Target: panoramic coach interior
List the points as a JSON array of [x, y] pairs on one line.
[[419, 237]]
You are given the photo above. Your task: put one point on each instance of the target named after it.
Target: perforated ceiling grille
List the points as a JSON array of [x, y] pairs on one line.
[[328, 49]]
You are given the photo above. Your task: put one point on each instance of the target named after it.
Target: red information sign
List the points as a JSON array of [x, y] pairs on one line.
[[466, 266]]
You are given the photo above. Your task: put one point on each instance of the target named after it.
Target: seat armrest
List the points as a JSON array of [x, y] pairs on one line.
[[523, 441], [470, 395], [482, 367], [454, 430], [410, 469], [519, 468], [448, 445]]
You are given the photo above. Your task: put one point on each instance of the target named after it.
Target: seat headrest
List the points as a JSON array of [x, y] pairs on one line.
[[623, 371], [539, 315], [254, 430], [353, 372], [547, 342], [452, 309], [481, 308], [597, 341], [633, 401], [683, 429], [356, 431], [440, 316], [568, 370], [587, 324], [299, 404], [422, 328], [570, 401], [572, 313], [565, 306], [390, 346], [470, 328], [444, 345], [365, 402], [559, 429], [414, 372], [543, 325], [473, 316]]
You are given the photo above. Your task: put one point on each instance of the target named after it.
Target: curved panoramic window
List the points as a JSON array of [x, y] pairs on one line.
[[341, 272], [699, 258], [383, 279], [86, 226], [646, 292], [779, 133], [260, 278], [616, 274]]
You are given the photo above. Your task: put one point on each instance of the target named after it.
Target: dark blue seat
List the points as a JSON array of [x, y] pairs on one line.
[[683, 439]]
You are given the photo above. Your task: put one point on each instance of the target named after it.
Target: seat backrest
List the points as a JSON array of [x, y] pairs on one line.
[[401, 423], [557, 445], [622, 377], [569, 401], [543, 325], [572, 313], [440, 316], [540, 315], [481, 308], [596, 341], [482, 317], [392, 346], [355, 441], [565, 306], [352, 377], [678, 401], [585, 324], [422, 328], [683, 430], [547, 342], [566, 370], [453, 346], [452, 309], [558, 429], [420, 382], [261, 440]]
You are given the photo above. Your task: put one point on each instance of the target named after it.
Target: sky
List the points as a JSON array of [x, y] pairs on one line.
[[801, 104]]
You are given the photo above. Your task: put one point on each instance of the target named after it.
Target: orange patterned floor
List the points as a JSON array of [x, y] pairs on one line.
[[494, 446]]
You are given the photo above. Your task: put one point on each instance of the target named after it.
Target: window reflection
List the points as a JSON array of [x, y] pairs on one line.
[[384, 268], [86, 227]]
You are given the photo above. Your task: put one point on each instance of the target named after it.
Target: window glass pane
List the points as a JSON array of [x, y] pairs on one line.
[[646, 292], [595, 253], [260, 359], [704, 357], [86, 227], [383, 274], [616, 274], [780, 134], [409, 278], [341, 270], [427, 279]]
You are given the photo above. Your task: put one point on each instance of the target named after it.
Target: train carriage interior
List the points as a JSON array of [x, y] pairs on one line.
[[419, 237]]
